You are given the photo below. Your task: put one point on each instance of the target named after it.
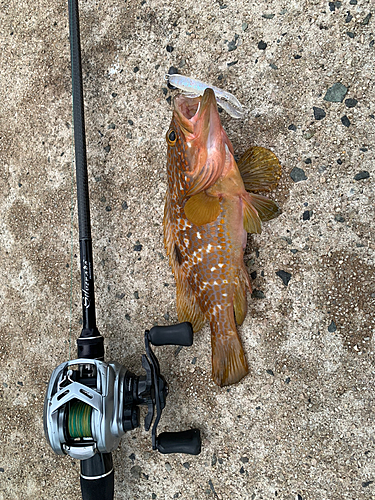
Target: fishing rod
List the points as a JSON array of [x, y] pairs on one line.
[[89, 403]]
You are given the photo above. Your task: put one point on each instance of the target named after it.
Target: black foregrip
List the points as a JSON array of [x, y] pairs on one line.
[[180, 442], [98, 489], [180, 334], [97, 477]]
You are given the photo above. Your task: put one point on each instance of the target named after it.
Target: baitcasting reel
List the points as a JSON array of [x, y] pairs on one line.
[[90, 404]]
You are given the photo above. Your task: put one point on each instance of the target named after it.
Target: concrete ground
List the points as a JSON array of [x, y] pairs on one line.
[[301, 424]]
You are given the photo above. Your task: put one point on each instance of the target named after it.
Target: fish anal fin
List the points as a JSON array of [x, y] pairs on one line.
[[251, 220], [267, 209], [260, 169], [240, 302], [187, 307], [202, 209], [229, 364]]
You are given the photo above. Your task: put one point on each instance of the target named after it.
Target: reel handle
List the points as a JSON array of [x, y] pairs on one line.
[[188, 442], [180, 334]]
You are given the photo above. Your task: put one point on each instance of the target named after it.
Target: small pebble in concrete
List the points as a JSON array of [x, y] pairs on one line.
[[168, 466], [244, 460], [297, 174], [366, 19], [348, 18], [268, 16], [170, 48], [350, 103], [350, 34], [124, 205], [365, 484], [270, 372], [136, 471], [285, 276], [262, 45], [137, 247], [287, 380], [292, 127], [319, 113], [257, 294], [339, 218], [306, 215], [345, 121], [332, 327], [186, 465], [336, 93], [361, 175], [308, 161]]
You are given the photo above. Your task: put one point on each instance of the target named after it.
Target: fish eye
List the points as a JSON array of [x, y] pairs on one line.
[[171, 137]]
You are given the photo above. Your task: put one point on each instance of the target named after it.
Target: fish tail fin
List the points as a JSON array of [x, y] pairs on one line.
[[229, 364]]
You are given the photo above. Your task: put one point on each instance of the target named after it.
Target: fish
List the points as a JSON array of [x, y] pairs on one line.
[[211, 204]]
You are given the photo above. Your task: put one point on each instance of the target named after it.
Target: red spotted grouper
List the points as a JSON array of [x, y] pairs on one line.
[[208, 213]]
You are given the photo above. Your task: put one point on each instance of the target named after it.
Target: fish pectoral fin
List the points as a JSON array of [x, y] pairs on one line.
[[267, 209], [187, 307], [251, 220], [202, 209], [260, 169]]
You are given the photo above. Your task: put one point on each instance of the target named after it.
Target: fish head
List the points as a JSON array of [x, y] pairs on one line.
[[197, 144]]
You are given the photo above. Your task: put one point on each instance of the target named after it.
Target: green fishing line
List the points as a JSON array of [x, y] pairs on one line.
[[79, 420]]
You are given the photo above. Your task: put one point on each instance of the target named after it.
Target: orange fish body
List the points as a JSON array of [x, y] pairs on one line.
[[208, 212]]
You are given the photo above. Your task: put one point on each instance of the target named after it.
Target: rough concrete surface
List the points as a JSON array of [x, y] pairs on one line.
[[301, 424]]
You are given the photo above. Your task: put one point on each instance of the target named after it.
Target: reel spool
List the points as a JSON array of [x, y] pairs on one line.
[[90, 404]]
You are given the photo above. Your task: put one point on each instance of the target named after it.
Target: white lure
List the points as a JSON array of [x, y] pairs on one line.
[[194, 88]]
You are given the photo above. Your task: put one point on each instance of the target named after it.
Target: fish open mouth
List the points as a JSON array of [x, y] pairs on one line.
[[187, 106], [193, 110]]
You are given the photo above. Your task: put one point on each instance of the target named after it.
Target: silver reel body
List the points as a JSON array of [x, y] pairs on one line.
[[105, 396]]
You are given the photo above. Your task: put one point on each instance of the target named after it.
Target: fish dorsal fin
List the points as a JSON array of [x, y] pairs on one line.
[[260, 169], [202, 209], [251, 219], [267, 209]]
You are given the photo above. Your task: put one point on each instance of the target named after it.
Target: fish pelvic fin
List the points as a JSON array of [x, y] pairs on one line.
[[257, 209], [187, 307], [267, 209], [229, 364], [260, 169]]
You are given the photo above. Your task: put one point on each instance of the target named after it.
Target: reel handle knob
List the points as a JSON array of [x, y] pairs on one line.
[[188, 442], [180, 334]]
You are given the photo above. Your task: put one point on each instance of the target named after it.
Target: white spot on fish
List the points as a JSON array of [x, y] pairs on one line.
[[186, 242], [219, 246], [213, 269], [199, 235], [225, 281], [220, 265], [208, 249], [224, 294], [216, 283]]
